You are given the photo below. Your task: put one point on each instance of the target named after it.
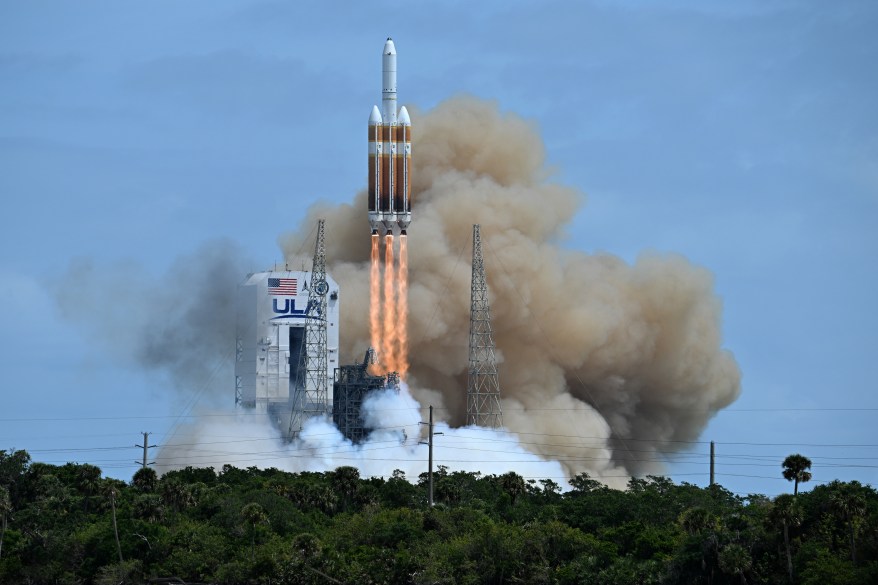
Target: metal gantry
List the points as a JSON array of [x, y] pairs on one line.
[[483, 385], [311, 398], [352, 384]]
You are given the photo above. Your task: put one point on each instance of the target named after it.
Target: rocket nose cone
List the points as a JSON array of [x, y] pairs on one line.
[[389, 48], [404, 117], [375, 117]]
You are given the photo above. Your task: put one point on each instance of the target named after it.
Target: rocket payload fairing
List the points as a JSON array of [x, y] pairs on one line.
[[390, 156]]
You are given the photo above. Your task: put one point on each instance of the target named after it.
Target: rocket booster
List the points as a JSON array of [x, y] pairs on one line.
[[390, 156]]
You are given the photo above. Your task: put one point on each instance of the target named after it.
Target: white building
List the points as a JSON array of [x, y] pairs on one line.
[[270, 330]]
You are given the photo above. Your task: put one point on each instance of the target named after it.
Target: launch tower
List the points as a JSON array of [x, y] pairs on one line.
[[312, 398], [271, 327], [483, 386]]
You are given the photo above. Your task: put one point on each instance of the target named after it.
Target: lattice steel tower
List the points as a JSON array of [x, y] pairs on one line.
[[312, 397], [483, 386]]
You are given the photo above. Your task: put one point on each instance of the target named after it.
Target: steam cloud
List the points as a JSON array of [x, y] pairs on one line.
[[604, 366]]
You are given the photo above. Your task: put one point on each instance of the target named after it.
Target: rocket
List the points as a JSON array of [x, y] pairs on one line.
[[390, 156]]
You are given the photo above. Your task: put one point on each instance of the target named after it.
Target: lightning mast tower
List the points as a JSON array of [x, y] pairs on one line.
[[312, 397], [483, 386]]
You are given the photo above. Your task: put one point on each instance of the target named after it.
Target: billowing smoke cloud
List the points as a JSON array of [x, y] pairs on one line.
[[603, 364], [182, 323]]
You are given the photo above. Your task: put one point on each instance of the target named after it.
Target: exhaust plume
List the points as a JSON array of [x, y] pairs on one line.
[[622, 360], [387, 352]]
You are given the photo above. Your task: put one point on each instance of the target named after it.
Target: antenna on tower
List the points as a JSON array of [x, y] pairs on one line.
[[312, 398], [483, 385]]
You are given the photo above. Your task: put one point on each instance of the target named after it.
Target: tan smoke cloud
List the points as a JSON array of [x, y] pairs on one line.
[[603, 365]]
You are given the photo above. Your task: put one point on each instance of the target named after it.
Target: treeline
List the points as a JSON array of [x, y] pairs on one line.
[[68, 524]]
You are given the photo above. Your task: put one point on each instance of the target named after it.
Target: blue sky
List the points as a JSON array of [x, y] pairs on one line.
[[742, 135]]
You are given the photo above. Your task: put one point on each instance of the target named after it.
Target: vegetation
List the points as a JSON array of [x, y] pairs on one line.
[[59, 525], [795, 468]]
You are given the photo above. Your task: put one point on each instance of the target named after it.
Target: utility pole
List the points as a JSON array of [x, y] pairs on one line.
[[711, 463], [146, 446], [430, 458]]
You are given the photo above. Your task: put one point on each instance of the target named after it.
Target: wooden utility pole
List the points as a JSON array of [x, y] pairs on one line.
[[146, 446], [711, 463], [429, 443]]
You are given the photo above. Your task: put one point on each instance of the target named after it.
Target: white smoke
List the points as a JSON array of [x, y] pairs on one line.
[[397, 441]]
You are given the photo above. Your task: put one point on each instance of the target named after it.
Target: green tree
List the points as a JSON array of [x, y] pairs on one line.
[[787, 513], [512, 484], [148, 507], [5, 509], [850, 507], [795, 468], [735, 560], [88, 480], [254, 516], [345, 482], [145, 480], [583, 483], [13, 464], [177, 495]]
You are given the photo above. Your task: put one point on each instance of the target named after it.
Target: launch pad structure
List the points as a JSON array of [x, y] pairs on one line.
[[286, 359], [352, 384]]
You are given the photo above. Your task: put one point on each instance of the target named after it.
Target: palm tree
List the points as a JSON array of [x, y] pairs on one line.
[[145, 479], [734, 559], [702, 527], [88, 480], [177, 495], [512, 484], [795, 468], [850, 507], [346, 481], [253, 515], [695, 520], [5, 508], [787, 512]]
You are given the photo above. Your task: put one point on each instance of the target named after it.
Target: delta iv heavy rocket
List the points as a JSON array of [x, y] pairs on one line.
[[390, 156]]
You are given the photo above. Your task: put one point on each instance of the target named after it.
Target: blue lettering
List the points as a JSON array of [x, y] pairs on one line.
[[288, 310]]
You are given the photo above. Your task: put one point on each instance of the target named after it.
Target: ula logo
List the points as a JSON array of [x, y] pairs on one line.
[[288, 310]]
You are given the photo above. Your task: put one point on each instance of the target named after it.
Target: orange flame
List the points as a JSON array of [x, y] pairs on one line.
[[375, 301], [402, 283], [388, 347], [388, 329]]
